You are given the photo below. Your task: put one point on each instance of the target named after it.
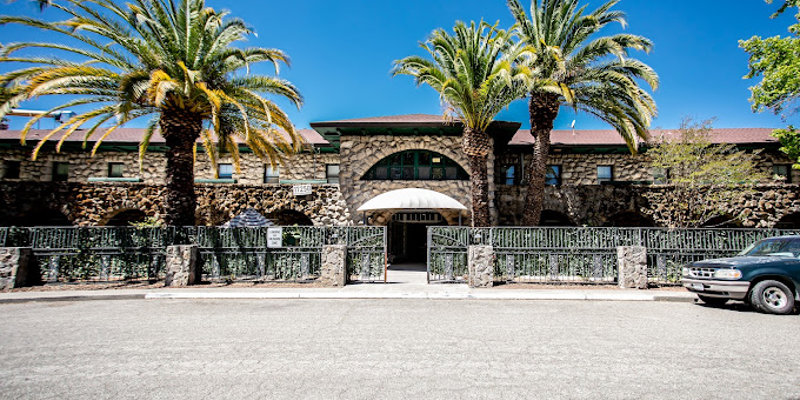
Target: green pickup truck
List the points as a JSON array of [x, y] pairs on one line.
[[766, 275]]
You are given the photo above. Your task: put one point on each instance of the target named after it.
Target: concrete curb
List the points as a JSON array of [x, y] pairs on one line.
[[343, 294]]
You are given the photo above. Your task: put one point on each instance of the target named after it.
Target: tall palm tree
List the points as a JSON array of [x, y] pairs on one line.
[[171, 61], [594, 75], [478, 70]]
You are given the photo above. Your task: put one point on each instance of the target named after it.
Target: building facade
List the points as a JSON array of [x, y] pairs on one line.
[[593, 179]]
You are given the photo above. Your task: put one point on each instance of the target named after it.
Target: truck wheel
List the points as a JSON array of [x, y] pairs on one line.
[[713, 301], [772, 297]]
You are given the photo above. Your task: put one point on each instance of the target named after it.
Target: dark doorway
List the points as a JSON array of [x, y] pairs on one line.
[[127, 218], [408, 235], [289, 218]]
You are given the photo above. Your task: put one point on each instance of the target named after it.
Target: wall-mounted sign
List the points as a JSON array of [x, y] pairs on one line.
[[275, 238], [301, 190]]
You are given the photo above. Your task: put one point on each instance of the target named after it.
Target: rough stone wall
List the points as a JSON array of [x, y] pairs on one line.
[[359, 153], [581, 169], [17, 268], [480, 264], [303, 166], [182, 266], [333, 269], [92, 204], [597, 205], [632, 267]]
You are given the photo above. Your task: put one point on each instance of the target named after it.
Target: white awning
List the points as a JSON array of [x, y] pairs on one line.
[[412, 199]]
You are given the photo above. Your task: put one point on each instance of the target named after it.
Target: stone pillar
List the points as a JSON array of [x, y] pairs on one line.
[[632, 261], [333, 271], [183, 266], [17, 268], [480, 263]]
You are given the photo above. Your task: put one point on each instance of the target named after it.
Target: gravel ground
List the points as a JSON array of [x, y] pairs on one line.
[[288, 349]]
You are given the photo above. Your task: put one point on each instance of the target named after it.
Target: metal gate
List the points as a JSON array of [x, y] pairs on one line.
[[366, 254]]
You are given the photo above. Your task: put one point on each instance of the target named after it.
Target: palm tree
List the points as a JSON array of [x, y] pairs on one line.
[[171, 61], [478, 70], [594, 75]]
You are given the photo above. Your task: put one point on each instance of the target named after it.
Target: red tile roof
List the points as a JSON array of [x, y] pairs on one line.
[[131, 135], [611, 137], [394, 119]]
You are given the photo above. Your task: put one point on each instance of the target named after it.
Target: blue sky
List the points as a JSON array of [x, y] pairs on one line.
[[342, 52]]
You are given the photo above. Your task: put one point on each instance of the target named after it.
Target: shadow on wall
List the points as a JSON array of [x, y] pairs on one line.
[[629, 219], [289, 218], [44, 217], [125, 217]]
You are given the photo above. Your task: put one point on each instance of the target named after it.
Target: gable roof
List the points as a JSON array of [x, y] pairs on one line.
[[610, 137], [130, 135]]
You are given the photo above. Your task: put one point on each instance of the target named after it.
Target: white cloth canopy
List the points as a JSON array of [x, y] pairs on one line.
[[412, 199]]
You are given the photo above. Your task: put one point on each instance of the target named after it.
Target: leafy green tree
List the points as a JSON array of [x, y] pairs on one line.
[[777, 61], [171, 61], [478, 70], [591, 74], [703, 178]]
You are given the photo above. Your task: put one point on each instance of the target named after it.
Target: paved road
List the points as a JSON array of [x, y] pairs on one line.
[[411, 349]]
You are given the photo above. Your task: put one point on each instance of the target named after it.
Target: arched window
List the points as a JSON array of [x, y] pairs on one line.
[[416, 165]]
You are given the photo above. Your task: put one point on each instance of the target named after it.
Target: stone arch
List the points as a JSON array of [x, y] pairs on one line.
[[289, 217], [789, 221], [43, 217], [629, 219], [123, 217], [725, 221], [554, 218], [382, 153], [461, 172]]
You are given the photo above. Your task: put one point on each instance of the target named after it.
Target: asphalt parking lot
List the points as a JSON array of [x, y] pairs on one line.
[[360, 349]]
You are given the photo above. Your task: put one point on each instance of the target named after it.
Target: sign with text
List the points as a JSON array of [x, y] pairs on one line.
[[275, 238], [301, 190]]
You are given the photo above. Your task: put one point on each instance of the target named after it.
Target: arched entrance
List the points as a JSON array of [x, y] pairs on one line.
[[288, 217], [126, 217], [789, 221], [629, 219], [408, 235], [555, 219]]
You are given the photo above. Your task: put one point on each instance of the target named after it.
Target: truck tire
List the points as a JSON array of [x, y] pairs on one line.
[[712, 301], [772, 297]]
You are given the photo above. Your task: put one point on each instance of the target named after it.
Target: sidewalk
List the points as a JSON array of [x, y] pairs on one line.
[[392, 290]]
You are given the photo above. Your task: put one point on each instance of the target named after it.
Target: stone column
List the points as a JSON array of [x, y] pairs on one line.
[[480, 263], [333, 271], [183, 266], [632, 262], [17, 268]]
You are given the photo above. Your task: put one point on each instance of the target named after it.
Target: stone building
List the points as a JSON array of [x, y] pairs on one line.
[[593, 180]]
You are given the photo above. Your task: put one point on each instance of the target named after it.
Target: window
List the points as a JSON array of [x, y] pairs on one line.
[[272, 174], [12, 169], [225, 171], [660, 176], [605, 173], [511, 175], [332, 173], [553, 176], [116, 170], [416, 165], [783, 171], [60, 171]]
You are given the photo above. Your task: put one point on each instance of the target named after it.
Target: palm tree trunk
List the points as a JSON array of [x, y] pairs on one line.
[[180, 131], [477, 147], [543, 112]]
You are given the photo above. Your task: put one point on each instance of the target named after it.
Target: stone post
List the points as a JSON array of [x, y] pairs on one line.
[[632, 261], [17, 268], [333, 271], [183, 266], [480, 263]]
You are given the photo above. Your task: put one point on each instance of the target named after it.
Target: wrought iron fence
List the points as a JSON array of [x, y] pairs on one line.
[[582, 255], [226, 254]]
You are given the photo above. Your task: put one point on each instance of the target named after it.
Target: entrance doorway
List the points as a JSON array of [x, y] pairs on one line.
[[408, 235]]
